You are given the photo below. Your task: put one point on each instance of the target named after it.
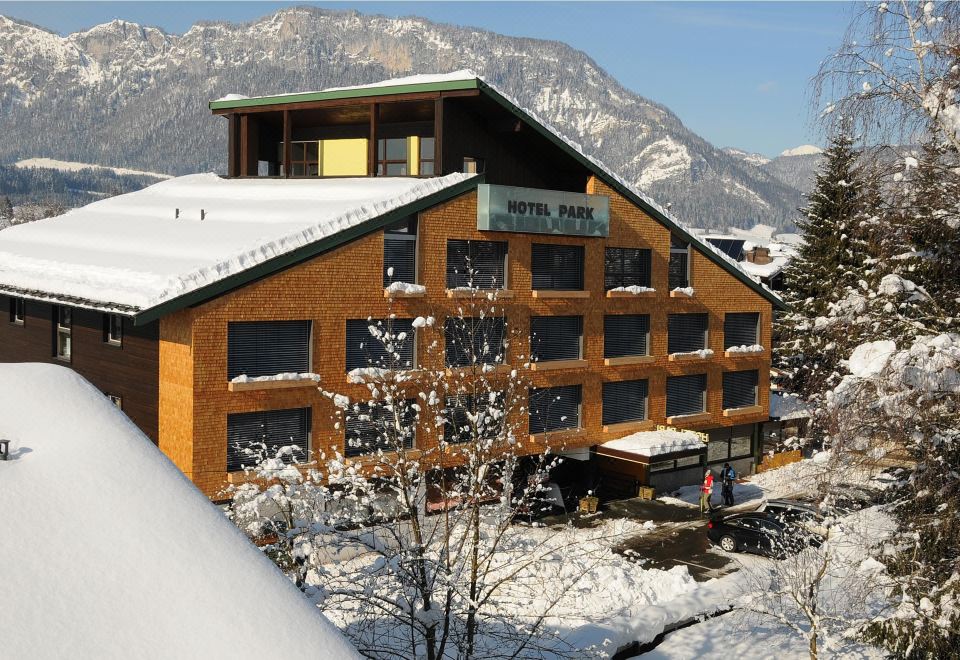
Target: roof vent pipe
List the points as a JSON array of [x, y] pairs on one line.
[[176, 214], [4, 449], [203, 214]]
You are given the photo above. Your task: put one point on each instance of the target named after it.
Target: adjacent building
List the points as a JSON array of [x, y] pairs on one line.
[[186, 301]]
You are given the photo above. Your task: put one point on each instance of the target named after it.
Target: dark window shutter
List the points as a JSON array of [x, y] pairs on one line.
[[626, 267], [555, 338], [477, 264], [266, 348], [685, 394], [365, 350], [558, 267], [370, 427], [401, 255], [624, 401], [474, 339], [686, 333], [554, 408], [678, 270], [252, 437], [741, 329], [740, 388], [625, 334]]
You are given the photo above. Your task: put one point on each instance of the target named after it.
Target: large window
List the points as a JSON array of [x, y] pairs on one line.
[[17, 311], [686, 333], [730, 443], [558, 267], [474, 340], [626, 335], [305, 158], [427, 156], [406, 156], [253, 436], [624, 401], [400, 252], [741, 329], [476, 264], [468, 417], [554, 408], [686, 395], [380, 343], [626, 267], [679, 269], [113, 329], [63, 340], [740, 389], [374, 427], [555, 338], [267, 348]]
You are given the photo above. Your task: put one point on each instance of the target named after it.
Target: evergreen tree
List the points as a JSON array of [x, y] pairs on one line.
[[6, 212]]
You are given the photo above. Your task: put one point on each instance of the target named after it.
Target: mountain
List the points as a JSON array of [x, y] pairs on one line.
[[126, 95]]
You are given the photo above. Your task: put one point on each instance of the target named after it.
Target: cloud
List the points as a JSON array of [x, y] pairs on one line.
[[767, 87]]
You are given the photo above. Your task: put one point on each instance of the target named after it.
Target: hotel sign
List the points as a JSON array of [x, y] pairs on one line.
[[529, 210]]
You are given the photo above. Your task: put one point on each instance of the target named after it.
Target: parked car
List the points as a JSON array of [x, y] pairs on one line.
[[795, 512], [760, 533]]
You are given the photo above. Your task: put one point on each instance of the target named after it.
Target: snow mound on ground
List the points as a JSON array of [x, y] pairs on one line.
[[110, 552]]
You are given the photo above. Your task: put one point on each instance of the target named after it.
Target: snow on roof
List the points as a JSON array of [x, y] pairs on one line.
[[786, 406], [131, 252], [465, 75], [110, 552], [776, 265], [654, 443]]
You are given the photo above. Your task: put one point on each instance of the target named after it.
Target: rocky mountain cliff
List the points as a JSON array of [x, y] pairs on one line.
[[122, 94]]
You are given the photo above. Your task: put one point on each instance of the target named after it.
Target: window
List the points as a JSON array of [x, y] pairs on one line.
[[626, 335], [254, 436], [686, 333], [624, 401], [661, 466], [488, 416], [730, 443], [305, 158], [741, 329], [400, 252], [474, 340], [679, 270], [17, 310], [393, 348], [686, 395], [116, 400], [267, 348], [688, 461], [555, 338], [558, 267], [740, 389], [64, 328], [476, 264], [113, 329], [626, 267], [427, 156], [472, 165], [554, 408], [392, 157], [373, 427]]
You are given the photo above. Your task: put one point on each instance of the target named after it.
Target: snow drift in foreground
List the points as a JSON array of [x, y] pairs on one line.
[[110, 552]]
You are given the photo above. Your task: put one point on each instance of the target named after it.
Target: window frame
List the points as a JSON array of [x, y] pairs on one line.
[[261, 330], [108, 330], [392, 234], [307, 419], [621, 275], [535, 392], [18, 310], [611, 319], [489, 324], [62, 331], [470, 245], [729, 375], [304, 162], [534, 353], [672, 336], [421, 160], [703, 396], [729, 316], [545, 265], [677, 250], [468, 402], [410, 340], [354, 415], [383, 162], [613, 385]]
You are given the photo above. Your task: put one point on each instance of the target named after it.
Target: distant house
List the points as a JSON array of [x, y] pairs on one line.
[[107, 551], [208, 307]]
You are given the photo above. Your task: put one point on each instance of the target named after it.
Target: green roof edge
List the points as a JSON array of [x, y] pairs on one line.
[[629, 194], [332, 95], [301, 254]]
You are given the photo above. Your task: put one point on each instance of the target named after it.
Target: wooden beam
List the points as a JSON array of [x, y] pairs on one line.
[[336, 103], [438, 137], [372, 144], [233, 157], [244, 145], [287, 129]]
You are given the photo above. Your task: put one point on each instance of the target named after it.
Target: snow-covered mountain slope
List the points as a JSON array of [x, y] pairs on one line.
[[802, 150], [124, 95]]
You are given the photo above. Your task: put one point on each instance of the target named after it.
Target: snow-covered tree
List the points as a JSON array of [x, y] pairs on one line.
[[6, 212]]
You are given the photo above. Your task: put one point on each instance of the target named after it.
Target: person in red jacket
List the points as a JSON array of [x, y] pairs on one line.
[[706, 489]]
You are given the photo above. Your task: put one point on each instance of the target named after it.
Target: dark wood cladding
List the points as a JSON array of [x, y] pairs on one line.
[[130, 371]]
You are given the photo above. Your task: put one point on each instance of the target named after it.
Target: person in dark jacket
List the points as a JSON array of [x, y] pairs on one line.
[[728, 476]]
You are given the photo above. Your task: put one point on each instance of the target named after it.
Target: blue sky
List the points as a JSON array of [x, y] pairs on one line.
[[737, 73]]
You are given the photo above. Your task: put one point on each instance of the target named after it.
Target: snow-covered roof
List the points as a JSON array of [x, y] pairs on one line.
[[776, 265], [108, 550], [784, 406], [131, 252], [655, 443]]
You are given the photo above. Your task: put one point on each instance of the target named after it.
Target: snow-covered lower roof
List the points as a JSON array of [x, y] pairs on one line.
[[108, 550], [655, 443], [131, 252], [767, 270], [784, 406]]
